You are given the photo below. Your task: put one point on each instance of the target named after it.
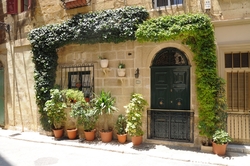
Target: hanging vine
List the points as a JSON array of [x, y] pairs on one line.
[[195, 30], [97, 27]]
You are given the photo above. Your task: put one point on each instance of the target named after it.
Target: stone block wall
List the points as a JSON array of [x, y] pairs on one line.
[[20, 106]]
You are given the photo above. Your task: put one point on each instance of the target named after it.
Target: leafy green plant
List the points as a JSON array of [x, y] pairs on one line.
[[104, 104], [196, 31], [105, 26], [55, 109], [121, 124], [221, 137], [73, 95], [85, 115], [134, 112], [121, 65]]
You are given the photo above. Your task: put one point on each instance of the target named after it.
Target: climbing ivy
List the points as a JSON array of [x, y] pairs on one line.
[[95, 27], [196, 31]]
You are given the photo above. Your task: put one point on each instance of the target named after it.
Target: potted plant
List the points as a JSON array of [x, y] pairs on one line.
[[220, 141], [134, 112], [55, 111], [103, 62], [217, 117], [121, 71], [73, 95], [104, 104], [86, 116], [120, 126]]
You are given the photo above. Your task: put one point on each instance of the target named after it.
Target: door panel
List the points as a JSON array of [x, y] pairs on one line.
[[170, 88], [2, 97]]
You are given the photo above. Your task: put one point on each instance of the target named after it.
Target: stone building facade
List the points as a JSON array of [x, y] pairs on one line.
[[231, 21]]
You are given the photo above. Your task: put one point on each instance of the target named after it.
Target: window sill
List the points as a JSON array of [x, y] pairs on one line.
[[167, 7]]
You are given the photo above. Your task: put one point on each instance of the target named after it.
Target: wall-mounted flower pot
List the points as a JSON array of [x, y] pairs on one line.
[[104, 63], [121, 72]]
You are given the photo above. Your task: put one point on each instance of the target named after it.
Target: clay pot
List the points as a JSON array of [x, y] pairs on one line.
[[58, 133], [72, 133], [121, 72], [122, 138], [137, 140], [104, 63], [90, 135], [106, 136], [219, 149]]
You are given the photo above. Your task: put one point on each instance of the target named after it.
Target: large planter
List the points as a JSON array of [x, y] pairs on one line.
[[121, 72], [104, 63], [206, 149], [89, 135], [58, 133], [106, 136], [122, 138], [219, 149], [72, 133], [136, 140]]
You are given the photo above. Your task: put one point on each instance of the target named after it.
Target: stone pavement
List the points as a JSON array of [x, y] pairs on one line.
[[236, 154]]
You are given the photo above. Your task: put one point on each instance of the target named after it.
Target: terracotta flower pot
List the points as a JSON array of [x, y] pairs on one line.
[[72, 133], [219, 149], [137, 140], [90, 135], [106, 136], [122, 138], [58, 133]]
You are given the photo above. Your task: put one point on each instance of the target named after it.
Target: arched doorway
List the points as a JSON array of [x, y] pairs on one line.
[[170, 115], [2, 114]]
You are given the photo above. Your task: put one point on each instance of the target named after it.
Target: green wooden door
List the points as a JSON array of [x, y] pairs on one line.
[[2, 97], [170, 87]]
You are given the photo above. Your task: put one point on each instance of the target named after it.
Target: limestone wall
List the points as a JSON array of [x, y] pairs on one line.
[[20, 107]]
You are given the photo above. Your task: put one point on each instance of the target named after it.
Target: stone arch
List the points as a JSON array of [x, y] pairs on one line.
[[185, 49]]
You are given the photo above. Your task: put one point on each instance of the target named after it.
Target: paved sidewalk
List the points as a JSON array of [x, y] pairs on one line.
[[234, 155]]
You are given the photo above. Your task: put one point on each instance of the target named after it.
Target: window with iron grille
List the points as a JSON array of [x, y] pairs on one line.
[[166, 3], [79, 77], [238, 81]]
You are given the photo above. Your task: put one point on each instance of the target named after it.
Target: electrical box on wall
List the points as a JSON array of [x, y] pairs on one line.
[[207, 4]]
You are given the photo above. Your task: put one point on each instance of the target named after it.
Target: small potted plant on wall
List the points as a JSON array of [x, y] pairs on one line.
[[134, 115], [55, 108], [121, 71], [86, 116], [103, 62], [220, 141], [104, 104], [120, 126]]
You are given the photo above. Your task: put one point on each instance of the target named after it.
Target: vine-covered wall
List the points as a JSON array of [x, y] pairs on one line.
[[196, 31], [98, 27]]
